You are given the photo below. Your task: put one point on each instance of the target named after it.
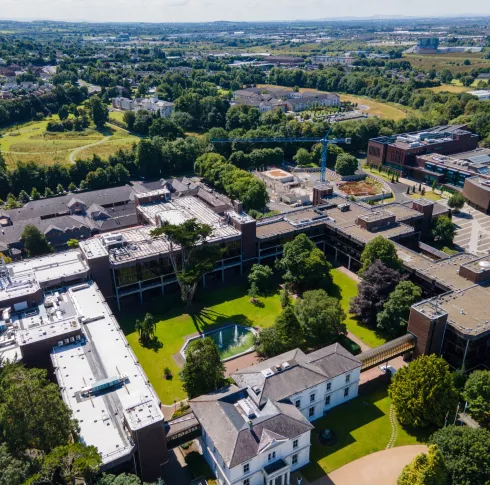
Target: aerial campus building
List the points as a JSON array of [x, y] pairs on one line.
[[50, 308], [257, 431]]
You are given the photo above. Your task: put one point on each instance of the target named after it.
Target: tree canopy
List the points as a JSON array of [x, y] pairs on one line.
[[381, 249], [191, 255], [423, 392], [35, 242], [378, 281], [260, 275], [321, 316], [346, 164], [477, 393], [304, 264], [456, 201], [425, 469], [203, 370], [32, 414], [465, 451], [394, 316], [443, 230]]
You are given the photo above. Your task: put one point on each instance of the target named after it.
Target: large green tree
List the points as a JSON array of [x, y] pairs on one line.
[[321, 316], [377, 283], [13, 470], [260, 275], [393, 318], [443, 230], [346, 164], [190, 254], [456, 201], [268, 343], [203, 370], [466, 452], [304, 264], [477, 393], [166, 129], [68, 464], [35, 242], [289, 329], [425, 469], [423, 392], [381, 249], [99, 112], [122, 479], [32, 413]]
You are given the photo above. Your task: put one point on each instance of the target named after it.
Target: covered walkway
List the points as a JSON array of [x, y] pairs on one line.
[[379, 355]]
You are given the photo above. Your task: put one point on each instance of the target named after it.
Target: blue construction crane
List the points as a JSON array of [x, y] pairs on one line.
[[324, 141]]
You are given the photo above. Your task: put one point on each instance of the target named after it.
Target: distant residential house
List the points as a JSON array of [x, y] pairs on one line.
[[153, 104], [267, 99], [329, 60]]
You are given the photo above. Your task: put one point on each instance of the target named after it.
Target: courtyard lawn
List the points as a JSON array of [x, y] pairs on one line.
[[361, 426], [213, 307], [345, 288]]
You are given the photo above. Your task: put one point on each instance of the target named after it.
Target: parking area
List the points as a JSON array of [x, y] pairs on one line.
[[472, 230]]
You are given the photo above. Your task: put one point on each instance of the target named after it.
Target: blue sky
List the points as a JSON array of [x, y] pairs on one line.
[[237, 10]]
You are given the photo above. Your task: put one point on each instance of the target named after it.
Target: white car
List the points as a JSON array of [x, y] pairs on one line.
[[387, 368]]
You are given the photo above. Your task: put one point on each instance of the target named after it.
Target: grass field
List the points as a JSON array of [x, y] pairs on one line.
[[31, 142], [377, 108], [450, 88], [345, 289], [362, 426], [214, 307], [452, 61], [116, 115]]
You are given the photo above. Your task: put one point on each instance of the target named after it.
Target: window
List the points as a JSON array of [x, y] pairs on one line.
[[312, 397], [272, 456], [347, 378], [246, 468], [298, 403], [327, 401], [246, 481], [311, 411], [329, 386], [295, 444], [346, 392], [295, 459]]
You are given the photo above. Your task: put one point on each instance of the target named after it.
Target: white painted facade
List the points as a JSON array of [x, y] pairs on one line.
[[315, 401], [295, 452]]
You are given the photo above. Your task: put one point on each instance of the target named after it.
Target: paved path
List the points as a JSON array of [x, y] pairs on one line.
[[79, 149], [472, 230], [381, 468]]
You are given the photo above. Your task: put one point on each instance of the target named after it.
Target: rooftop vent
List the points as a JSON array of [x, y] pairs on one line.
[[267, 372], [285, 365], [256, 389]]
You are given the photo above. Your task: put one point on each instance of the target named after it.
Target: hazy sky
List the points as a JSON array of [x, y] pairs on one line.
[[238, 10]]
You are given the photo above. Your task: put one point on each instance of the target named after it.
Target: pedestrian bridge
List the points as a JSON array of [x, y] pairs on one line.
[[182, 430], [379, 355]]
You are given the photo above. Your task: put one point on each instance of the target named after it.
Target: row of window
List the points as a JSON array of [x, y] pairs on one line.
[[329, 387], [271, 457], [294, 461]]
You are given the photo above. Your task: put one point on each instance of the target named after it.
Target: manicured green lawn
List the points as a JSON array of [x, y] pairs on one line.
[[362, 426], [213, 307], [346, 289], [217, 306]]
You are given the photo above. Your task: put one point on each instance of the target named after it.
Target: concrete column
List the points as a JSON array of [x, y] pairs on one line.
[[141, 293], [336, 254], [288, 478], [348, 265], [163, 286], [204, 281], [223, 274], [465, 352]]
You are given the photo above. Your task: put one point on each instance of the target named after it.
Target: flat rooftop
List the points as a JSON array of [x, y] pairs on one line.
[[395, 230], [104, 354], [27, 276], [481, 182], [402, 212], [376, 215], [467, 309]]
